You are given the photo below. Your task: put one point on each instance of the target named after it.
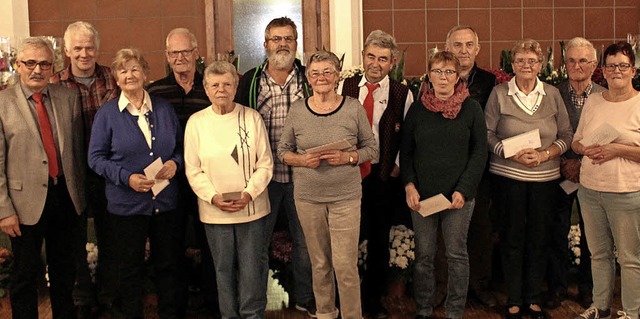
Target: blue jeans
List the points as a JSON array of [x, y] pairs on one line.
[[281, 196], [455, 224], [238, 252], [613, 219]]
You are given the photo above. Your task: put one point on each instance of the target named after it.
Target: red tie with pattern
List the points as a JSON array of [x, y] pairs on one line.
[[47, 135], [365, 168]]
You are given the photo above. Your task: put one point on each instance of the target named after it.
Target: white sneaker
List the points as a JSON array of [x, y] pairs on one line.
[[623, 315], [595, 313]]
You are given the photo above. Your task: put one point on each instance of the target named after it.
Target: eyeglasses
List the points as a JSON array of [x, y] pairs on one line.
[[522, 62], [31, 64], [277, 39], [581, 62], [185, 53], [446, 73], [326, 73], [610, 67]]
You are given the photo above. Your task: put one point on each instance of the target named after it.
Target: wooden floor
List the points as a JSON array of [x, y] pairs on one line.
[[400, 309]]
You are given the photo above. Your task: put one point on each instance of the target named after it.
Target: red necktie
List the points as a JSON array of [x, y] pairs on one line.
[[47, 135], [365, 168]]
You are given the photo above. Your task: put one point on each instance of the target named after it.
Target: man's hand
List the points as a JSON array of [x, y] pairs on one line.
[[11, 226], [570, 169]]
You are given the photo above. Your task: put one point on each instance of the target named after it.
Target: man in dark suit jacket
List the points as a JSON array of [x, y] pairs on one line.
[[580, 60], [41, 179]]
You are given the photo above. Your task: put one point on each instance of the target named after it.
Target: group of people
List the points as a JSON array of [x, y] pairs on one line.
[[215, 158]]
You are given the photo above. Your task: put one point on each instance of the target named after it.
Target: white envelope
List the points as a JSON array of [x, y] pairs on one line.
[[569, 186], [339, 145], [434, 204], [151, 171], [514, 144], [604, 134]]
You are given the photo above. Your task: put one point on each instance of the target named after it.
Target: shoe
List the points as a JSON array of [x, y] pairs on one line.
[[486, 298], [585, 299], [536, 314], [381, 314], [623, 315], [309, 308], [595, 313], [509, 315], [555, 300]]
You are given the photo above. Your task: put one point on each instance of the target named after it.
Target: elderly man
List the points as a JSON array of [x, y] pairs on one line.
[[96, 86], [386, 102], [184, 89], [462, 40], [581, 61], [271, 88], [42, 179]]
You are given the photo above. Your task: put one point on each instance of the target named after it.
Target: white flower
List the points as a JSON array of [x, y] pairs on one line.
[[396, 242], [402, 262]]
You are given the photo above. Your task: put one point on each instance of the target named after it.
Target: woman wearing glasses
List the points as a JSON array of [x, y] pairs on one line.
[[609, 190], [327, 183], [525, 184], [444, 150]]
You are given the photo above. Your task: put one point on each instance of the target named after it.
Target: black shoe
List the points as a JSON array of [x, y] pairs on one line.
[[536, 314], [509, 315], [555, 300], [309, 308], [585, 299], [486, 298]]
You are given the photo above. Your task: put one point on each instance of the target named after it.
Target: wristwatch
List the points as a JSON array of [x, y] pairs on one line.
[[351, 160]]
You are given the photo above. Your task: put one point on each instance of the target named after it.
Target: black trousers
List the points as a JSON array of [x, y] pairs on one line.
[[59, 227]]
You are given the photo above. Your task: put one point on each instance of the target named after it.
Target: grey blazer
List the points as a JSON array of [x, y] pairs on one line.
[[24, 171]]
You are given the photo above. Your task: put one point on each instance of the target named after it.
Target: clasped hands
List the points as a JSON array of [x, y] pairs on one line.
[[140, 183], [333, 157], [530, 157], [231, 206]]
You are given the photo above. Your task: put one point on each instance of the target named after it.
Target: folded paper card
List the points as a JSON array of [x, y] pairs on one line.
[[151, 171], [339, 145], [434, 204], [604, 134], [515, 144]]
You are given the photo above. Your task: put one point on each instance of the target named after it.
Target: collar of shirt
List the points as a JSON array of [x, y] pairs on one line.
[[586, 93], [384, 83], [124, 103], [28, 92], [294, 72], [513, 88]]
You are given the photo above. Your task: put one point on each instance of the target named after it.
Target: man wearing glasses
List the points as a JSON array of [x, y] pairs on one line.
[[271, 88], [184, 89], [42, 179], [581, 61]]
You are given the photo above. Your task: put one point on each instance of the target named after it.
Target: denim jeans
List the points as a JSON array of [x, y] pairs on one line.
[[281, 197], [455, 225], [613, 219], [241, 270], [332, 231]]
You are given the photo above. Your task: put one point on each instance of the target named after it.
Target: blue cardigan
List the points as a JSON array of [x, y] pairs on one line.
[[118, 149]]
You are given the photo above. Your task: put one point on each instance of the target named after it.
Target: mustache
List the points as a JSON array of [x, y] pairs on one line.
[[36, 76]]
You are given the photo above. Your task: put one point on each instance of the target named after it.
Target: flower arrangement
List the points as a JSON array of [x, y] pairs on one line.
[[280, 256], [7, 63], [362, 256], [401, 251], [92, 259], [6, 262], [574, 245]]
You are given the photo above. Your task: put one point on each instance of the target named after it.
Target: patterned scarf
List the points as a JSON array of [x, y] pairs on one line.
[[450, 107]]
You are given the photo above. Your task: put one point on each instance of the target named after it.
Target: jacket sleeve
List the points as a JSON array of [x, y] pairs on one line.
[[100, 149], [472, 174], [407, 147], [492, 118], [368, 147], [196, 175]]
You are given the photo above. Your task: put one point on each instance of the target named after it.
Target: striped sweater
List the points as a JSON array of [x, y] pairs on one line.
[[506, 119]]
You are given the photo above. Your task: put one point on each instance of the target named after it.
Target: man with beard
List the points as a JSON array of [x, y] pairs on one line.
[[271, 88], [386, 102]]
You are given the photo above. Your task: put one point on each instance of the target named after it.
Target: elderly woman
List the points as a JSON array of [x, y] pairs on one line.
[[444, 150], [129, 134], [328, 184], [525, 184], [229, 165], [609, 191]]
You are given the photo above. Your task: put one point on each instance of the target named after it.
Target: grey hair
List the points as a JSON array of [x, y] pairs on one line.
[[85, 28], [582, 42], [384, 40], [321, 56], [125, 55], [220, 68], [184, 31], [525, 46], [280, 22], [462, 27], [38, 42]]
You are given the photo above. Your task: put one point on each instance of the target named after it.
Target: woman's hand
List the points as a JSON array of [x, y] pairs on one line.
[[600, 153], [335, 157], [309, 160], [457, 200], [231, 206], [168, 170], [140, 183], [412, 196], [527, 157]]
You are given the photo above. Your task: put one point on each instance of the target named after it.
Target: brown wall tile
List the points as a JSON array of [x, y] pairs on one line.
[[598, 3], [483, 59], [537, 3], [599, 23], [177, 8], [568, 23], [158, 63], [373, 20], [49, 28], [538, 24], [79, 10], [473, 3], [144, 8], [415, 61], [626, 22], [630, 3], [153, 38], [112, 8], [506, 24], [496, 48], [408, 4], [505, 4], [439, 22], [376, 4], [441, 4], [568, 3], [478, 20], [409, 26], [114, 34], [45, 10]]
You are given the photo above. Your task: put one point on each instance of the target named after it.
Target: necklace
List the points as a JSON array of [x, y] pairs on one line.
[[331, 105]]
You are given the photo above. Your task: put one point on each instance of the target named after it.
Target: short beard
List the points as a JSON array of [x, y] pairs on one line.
[[281, 61]]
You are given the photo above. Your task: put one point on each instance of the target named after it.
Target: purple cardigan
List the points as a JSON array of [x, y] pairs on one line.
[[118, 149]]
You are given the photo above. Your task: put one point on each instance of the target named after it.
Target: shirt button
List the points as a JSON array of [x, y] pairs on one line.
[[157, 210], [153, 138], [151, 125], [154, 198], [151, 154], [44, 162]]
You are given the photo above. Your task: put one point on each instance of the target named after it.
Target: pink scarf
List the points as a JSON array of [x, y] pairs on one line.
[[449, 107]]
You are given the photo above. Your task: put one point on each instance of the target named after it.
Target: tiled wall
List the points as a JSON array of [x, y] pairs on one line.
[[143, 24], [420, 25]]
